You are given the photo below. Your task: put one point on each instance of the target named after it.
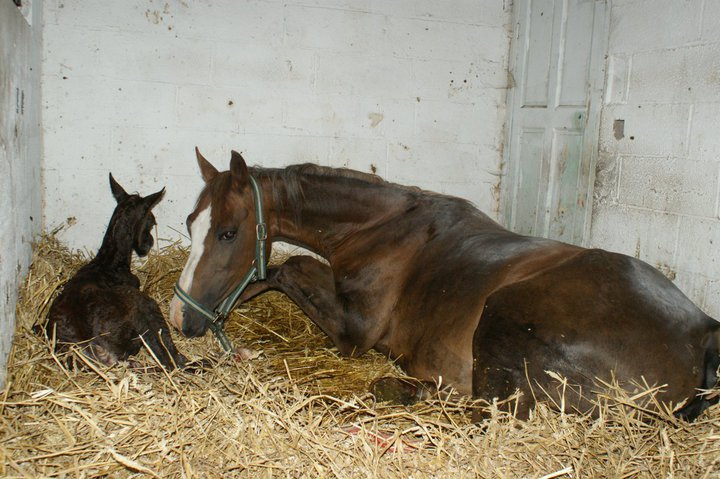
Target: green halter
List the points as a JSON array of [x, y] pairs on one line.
[[258, 271]]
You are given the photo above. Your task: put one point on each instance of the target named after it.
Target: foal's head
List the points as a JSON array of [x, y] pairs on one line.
[[223, 235], [133, 218]]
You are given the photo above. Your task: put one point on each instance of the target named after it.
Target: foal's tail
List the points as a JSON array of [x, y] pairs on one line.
[[706, 396]]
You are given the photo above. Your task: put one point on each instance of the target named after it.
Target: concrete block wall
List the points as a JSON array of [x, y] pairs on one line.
[[412, 89], [657, 184], [20, 155]]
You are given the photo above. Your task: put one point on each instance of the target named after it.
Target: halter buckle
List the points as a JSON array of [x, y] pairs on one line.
[[219, 319], [261, 231]]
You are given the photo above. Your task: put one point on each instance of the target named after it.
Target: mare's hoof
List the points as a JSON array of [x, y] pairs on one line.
[[397, 391]]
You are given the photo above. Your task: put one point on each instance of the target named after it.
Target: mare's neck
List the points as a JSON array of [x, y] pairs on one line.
[[319, 211]]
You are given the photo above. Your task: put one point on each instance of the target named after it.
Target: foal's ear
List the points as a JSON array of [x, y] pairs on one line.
[[151, 200], [238, 169], [207, 170], [117, 190]]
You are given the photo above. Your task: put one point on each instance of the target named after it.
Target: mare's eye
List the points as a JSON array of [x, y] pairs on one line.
[[227, 235]]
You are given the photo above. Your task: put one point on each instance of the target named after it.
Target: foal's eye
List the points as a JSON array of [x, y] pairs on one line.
[[227, 235]]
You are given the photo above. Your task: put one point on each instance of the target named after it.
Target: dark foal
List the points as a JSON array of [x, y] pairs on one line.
[[101, 308], [454, 297]]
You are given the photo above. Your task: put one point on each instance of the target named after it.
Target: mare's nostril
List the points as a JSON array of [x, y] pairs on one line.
[[189, 330], [192, 327]]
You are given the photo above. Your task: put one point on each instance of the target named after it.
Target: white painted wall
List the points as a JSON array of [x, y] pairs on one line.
[[412, 88], [20, 155], [657, 189]]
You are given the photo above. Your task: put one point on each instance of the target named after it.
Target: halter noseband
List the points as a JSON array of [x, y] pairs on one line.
[[258, 271]]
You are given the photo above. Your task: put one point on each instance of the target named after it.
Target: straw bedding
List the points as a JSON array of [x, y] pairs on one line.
[[298, 410]]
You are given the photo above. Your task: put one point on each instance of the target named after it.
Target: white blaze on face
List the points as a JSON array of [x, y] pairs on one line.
[[198, 233]]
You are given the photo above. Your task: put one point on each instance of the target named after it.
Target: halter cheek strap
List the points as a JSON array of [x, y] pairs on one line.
[[258, 271]]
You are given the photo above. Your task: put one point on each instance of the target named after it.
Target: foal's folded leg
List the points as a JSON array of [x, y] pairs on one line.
[[150, 323], [163, 348]]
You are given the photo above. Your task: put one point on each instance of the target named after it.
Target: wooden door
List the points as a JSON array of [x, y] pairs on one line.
[[557, 65]]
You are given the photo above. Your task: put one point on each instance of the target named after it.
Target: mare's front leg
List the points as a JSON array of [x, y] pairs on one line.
[[311, 285]]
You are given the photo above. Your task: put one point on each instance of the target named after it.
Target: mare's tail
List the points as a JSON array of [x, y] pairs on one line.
[[710, 381]]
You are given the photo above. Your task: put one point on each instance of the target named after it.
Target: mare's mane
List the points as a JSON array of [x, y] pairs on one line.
[[292, 192], [286, 185]]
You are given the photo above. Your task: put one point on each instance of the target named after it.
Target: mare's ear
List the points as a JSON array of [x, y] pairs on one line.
[[151, 200], [239, 170], [207, 170], [117, 190]]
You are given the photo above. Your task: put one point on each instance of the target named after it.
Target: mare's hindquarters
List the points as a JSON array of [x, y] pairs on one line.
[[598, 316]]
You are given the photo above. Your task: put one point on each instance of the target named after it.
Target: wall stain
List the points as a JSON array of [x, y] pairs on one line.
[[375, 119]]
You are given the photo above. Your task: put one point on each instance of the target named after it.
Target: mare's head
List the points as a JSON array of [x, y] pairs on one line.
[[223, 236], [133, 217]]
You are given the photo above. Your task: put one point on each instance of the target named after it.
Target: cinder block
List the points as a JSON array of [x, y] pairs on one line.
[[711, 299], [351, 5], [696, 287], [648, 235], [481, 190], [711, 22], [618, 71], [181, 192], [68, 51], [82, 199], [363, 154], [638, 26], [282, 149], [226, 110], [464, 11], [247, 22], [326, 115], [382, 118], [94, 149], [396, 8], [264, 70], [364, 75], [458, 81], [129, 15], [164, 151], [456, 11], [356, 31], [335, 30], [479, 123], [413, 38], [425, 161], [673, 185], [84, 100], [647, 129], [682, 75], [705, 132], [152, 57], [607, 172], [697, 246]]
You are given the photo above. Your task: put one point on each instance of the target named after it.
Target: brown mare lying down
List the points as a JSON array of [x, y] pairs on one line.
[[436, 284], [101, 308]]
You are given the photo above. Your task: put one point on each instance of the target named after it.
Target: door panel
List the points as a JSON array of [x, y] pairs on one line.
[[531, 180], [536, 78]]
